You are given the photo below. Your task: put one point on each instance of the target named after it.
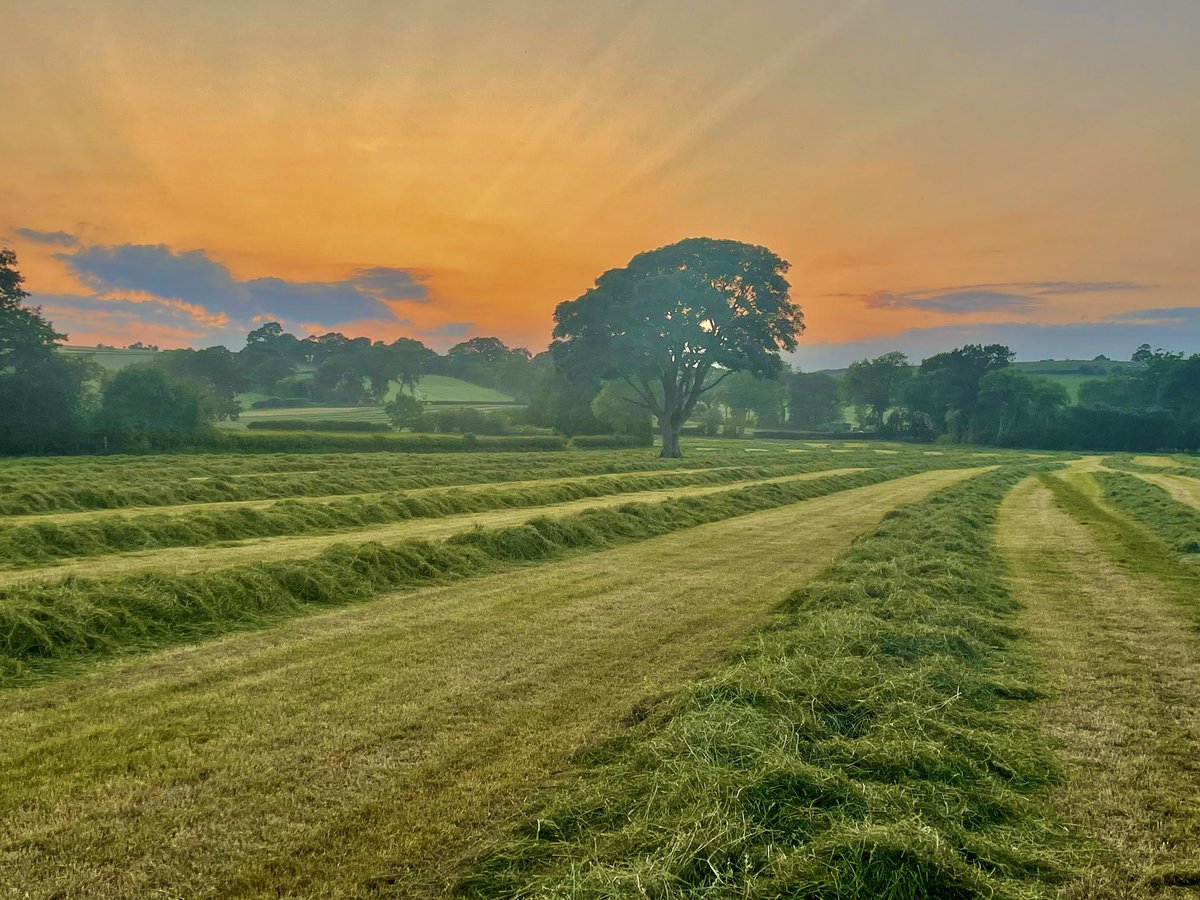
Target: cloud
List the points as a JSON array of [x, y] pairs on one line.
[[156, 269], [1187, 316], [391, 284], [1116, 337], [206, 286], [54, 238], [451, 329], [1014, 297], [964, 301]]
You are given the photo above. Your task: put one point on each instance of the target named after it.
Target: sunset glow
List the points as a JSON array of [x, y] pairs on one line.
[[175, 172]]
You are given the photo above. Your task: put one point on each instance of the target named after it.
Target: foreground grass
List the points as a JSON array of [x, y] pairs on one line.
[[47, 485], [398, 520], [876, 742], [41, 542], [1124, 661], [45, 627], [372, 749]]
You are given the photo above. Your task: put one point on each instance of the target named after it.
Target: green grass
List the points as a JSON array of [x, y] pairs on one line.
[[1175, 523], [876, 742], [1120, 660], [45, 541], [444, 389], [93, 483], [371, 749], [111, 360], [43, 625]]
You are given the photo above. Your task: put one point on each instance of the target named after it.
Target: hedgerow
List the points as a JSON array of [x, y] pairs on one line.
[[876, 741]]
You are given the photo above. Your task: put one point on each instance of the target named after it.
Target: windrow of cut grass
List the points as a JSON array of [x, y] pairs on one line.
[[173, 481], [1133, 529], [1164, 465], [876, 741], [43, 542], [48, 626], [1152, 506]]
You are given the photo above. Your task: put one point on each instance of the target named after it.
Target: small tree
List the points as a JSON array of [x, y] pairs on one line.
[[405, 411], [674, 317], [613, 407]]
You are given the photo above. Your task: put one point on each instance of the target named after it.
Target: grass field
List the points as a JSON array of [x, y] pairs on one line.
[[111, 360], [764, 670]]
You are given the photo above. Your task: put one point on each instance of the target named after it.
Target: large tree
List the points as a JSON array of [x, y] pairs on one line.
[[42, 392], [676, 321]]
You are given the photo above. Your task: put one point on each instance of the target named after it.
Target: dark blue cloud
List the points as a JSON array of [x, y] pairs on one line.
[[54, 238], [194, 278], [155, 269], [963, 301], [391, 284], [324, 303], [1017, 297], [451, 329], [1117, 338]]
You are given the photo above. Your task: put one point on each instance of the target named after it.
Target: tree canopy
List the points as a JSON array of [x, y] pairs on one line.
[[675, 321]]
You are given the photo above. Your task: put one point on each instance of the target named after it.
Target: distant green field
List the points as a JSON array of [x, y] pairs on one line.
[[444, 389], [113, 360], [1072, 373], [440, 389]]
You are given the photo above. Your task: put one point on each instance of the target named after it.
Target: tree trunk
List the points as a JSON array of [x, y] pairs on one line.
[[670, 439]]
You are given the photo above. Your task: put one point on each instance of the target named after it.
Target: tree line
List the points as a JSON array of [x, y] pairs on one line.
[[687, 336]]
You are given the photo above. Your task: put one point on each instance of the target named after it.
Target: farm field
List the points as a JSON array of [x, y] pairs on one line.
[[765, 669]]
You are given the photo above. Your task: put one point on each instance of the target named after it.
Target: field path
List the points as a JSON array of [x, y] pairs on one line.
[[252, 550], [1124, 663], [376, 747]]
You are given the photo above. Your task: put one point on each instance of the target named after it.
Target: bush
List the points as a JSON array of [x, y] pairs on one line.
[[599, 441], [281, 403], [318, 425]]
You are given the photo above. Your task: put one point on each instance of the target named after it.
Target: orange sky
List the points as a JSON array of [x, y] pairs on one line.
[[507, 153]]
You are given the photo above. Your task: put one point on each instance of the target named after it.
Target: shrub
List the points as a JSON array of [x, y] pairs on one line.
[[349, 425]]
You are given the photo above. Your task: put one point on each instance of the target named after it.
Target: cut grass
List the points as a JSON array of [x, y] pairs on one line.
[[1160, 503], [89, 484], [372, 749], [1124, 662], [203, 542], [876, 742], [44, 625], [89, 535]]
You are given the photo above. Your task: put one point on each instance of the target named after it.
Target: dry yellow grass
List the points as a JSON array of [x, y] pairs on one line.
[[1159, 462], [1123, 661], [380, 741], [234, 553]]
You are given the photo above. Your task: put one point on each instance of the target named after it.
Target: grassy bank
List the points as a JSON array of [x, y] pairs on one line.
[[876, 742]]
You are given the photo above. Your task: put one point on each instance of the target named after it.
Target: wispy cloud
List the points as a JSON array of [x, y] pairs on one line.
[[451, 329], [54, 238], [197, 282], [1015, 296]]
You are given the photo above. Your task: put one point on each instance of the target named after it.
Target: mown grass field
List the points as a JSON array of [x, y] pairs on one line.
[[764, 670]]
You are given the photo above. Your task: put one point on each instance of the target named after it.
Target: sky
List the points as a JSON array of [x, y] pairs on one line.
[[936, 172]]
